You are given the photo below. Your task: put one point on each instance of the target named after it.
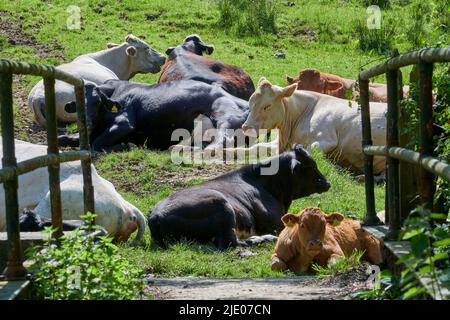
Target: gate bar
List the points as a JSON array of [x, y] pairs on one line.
[[14, 268], [427, 182]]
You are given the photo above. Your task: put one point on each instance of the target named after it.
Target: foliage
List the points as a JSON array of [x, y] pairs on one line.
[[376, 40], [420, 13], [248, 17], [429, 259], [82, 267], [381, 3], [341, 264], [441, 116]]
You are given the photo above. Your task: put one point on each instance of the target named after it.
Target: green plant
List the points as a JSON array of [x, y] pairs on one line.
[[249, 17], [429, 256], [377, 40], [342, 264], [418, 31], [81, 266], [381, 3]]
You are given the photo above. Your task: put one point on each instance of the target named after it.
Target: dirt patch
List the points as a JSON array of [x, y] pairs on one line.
[[13, 31], [340, 287], [25, 127]]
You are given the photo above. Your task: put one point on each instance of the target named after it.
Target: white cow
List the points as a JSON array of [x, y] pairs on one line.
[[117, 62], [317, 120], [119, 217]]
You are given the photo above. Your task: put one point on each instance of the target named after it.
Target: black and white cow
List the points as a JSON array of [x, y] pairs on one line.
[[238, 204]]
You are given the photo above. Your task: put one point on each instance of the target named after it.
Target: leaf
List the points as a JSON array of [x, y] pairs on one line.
[[413, 292], [419, 244], [412, 233], [441, 243], [438, 216]]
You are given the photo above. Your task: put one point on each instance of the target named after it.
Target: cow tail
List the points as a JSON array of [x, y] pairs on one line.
[[141, 223]]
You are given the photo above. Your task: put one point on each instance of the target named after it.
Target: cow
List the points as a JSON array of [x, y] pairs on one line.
[[320, 121], [314, 80], [313, 236], [121, 112], [248, 201], [186, 62], [116, 62], [117, 216]]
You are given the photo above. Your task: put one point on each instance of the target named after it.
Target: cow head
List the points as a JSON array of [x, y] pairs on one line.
[[306, 177], [311, 226], [97, 103], [314, 80], [194, 44], [267, 110], [142, 57]]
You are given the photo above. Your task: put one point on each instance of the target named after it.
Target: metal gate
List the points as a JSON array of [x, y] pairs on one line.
[[11, 169], [428, 165]]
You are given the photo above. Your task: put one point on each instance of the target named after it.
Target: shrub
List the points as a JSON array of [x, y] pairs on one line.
[[420, 17], [82, 267], [381, 3], [248, 17], [378, 40]]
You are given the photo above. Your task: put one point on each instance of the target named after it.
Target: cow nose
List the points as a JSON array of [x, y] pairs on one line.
[[245, 127], [133, 218]]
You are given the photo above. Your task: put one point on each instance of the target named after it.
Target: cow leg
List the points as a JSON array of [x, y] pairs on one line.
[[278, 264], [257, 240], [114, 135]]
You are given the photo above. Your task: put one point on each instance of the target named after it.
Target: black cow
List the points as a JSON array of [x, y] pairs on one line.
[[186, 62], [240, 202], [121, 112]]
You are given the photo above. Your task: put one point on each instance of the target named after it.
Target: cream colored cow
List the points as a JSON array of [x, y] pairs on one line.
[[116, 215], [317, 120], [117, 62]]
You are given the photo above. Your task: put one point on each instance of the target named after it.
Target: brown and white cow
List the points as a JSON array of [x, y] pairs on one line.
[[320, 121], [186, 62], [333, 85], [313, 236]]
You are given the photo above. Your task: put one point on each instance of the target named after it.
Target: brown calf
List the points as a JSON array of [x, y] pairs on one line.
[[313, 236]]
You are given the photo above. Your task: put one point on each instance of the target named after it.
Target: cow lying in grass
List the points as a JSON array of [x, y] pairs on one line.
[[320, 121], [117, 216], [313, 236], [245, 202], [186, 62], [333, 85], [121, 112], [117, 62]]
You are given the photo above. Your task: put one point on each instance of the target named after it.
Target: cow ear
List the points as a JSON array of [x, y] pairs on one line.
[[111, 45], [71, 107], [169, 50], [113, 106], [261, 80], [334, 88], [289, 220], [209, 49], [289, 79], [334, 218], [294, 164], [289, 90], [131, 51]]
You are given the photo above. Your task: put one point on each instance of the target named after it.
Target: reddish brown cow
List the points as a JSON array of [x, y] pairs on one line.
[[186, 62], [314, 236], [333, 85]]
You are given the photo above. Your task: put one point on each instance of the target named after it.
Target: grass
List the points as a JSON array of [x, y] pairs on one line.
[[317, 34], [341, 265]]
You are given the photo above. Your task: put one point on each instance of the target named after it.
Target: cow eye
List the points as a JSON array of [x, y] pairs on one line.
[[267, 107], [302, 226]]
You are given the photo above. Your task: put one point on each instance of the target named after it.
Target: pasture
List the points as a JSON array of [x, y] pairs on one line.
[[311, 34]]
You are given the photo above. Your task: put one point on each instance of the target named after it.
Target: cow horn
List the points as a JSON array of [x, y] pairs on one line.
[[142, 223]]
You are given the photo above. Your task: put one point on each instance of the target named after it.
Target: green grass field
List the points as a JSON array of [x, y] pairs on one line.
[[319, 34]]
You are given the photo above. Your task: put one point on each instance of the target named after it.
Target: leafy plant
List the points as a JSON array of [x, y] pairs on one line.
[[377, 40], [82, 266], [340, 265], [420, 12], [381, 3], [248, 17]]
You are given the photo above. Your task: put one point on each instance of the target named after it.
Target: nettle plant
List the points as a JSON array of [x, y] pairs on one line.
[[81, 266]]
